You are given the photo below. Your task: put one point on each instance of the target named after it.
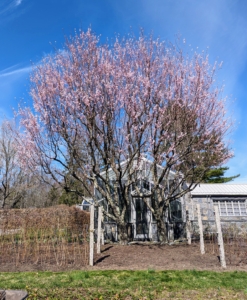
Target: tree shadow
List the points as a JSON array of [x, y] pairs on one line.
[[101, 259], [106, 249]]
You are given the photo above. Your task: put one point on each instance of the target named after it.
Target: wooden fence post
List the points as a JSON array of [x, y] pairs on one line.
[[200, 228], [220, 237], [99, 228], [91, 236], [188, 228], [103, 229], [102, 237]]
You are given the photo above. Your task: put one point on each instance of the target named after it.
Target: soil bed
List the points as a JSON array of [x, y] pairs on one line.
[[139, 256], [143, 256]]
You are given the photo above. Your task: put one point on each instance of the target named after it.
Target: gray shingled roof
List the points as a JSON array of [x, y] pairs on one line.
[[220, 189]]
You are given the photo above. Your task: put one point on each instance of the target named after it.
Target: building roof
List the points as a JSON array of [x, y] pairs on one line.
[[144, 164], [220, 189]]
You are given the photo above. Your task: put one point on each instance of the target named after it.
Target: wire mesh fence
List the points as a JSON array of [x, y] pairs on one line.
[[235, 242], [57, 235]]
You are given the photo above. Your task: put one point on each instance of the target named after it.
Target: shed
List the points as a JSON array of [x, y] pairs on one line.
[[230, 198]]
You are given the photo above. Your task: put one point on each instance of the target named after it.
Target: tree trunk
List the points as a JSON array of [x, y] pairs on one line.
[[161, 230], [122, 233]]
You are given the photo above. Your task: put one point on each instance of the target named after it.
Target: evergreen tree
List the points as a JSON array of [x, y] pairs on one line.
[[216, 175]]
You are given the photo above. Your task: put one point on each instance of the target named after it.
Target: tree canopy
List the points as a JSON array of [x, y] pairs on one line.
[[96, 105]]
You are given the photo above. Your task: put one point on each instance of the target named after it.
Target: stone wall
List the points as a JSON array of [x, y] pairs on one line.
[[207, 213]]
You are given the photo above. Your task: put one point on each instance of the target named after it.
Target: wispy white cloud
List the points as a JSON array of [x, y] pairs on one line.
[[15, 71], [10, 9], [6, 8], [14, 81], [18, 2]]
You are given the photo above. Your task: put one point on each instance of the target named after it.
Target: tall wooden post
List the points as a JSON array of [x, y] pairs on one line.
[[91, 236], [188, 228], [103, 230], [200, 228], [102, 237], [220, 237], [99, 228]]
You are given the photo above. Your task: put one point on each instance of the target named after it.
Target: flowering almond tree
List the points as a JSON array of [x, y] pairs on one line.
[[96, 106]]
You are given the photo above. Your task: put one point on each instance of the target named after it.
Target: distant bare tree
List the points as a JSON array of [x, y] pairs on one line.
[[11, 175], [19, 188]]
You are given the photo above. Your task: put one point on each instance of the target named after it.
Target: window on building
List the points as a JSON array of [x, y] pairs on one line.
[[232, 207], [176, 210]]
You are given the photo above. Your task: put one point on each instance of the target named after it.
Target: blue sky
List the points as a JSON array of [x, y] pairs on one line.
[[30, 29]]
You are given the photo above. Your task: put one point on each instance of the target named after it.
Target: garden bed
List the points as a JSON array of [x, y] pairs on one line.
[[140, 256]]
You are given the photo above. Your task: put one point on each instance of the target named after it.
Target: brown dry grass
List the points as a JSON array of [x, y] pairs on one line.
[[43, 236]]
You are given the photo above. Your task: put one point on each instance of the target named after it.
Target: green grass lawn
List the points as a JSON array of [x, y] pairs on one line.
[[129, 284]]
